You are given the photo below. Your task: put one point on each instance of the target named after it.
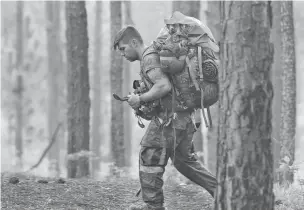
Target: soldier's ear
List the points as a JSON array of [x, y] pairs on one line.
[[134, 43]]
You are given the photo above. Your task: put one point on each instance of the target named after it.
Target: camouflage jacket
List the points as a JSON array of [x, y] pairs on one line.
[[151, 60]]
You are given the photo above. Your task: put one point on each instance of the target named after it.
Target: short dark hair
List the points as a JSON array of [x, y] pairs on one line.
[[126, 34]]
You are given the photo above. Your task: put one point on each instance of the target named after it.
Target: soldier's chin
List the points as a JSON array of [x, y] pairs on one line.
[[131, 59]]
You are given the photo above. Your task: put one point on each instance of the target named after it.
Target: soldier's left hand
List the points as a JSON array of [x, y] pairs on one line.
[[134, 101]]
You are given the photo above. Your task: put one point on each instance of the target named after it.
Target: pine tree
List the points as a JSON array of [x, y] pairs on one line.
[[78, 89], [245, 162]]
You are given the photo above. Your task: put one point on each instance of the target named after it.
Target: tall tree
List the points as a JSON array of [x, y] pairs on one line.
[[288, 109], [126, 89], [96, 105], [276, 76], [245, 163], [54, 66], [190, 8], [213, 22], [117, 116], [18, 89], [213, 18], [78, 100]]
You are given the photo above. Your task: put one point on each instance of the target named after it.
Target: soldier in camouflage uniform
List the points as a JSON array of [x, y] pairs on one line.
[[160, 141]]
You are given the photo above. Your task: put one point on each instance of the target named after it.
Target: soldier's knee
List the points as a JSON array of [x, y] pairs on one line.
[[150, 156], [151, 169]]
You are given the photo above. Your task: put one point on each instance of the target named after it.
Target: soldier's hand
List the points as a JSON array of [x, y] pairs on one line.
[[134, 101]]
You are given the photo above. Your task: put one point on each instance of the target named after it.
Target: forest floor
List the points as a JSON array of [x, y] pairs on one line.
[[84, 194], [32, 192]]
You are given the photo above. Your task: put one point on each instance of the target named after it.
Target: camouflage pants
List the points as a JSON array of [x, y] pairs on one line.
[[157, 147]]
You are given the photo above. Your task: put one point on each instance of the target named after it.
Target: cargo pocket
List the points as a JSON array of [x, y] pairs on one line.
[[151, 156]]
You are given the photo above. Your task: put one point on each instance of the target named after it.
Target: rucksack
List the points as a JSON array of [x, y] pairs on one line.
[[187, 53]]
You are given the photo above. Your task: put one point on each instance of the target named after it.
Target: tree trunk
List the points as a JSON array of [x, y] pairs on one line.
[[245, 164], [63, 78], [213, 22], [11, 114], [276, 76], [54, 66], [213, 18], [18, 90], [78, 89], [189, 8], [96, 137], [117, 117], [127, 87], [288, 109]]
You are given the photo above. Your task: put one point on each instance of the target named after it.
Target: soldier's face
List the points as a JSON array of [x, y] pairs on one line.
[[128, 51]]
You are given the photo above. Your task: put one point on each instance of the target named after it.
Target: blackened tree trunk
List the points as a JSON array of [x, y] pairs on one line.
[[78, 89], [96, 105], [127, 87], [288, 109], [18, 89], [117, 116], [245, 163], [54, 66]]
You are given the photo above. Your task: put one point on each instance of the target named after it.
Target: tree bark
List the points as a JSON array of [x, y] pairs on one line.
[[54, 65], [276, 76], [245, 162], [117, 116], [78, 100], [96, 137], [18, 89], [288, 109], [127, 87]]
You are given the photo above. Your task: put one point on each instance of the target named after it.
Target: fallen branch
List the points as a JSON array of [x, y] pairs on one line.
[[47, 148]]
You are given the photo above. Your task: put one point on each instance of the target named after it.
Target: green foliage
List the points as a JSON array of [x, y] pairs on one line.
[[285, 170], [292, 197]]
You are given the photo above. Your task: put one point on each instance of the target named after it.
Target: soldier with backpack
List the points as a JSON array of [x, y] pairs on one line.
[[169, 92]]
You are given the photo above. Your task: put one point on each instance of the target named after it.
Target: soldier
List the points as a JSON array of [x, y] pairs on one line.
[[166, 137]]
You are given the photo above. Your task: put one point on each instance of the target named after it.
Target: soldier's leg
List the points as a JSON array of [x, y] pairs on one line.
[[153, 158], [187, 164], [151, 169]]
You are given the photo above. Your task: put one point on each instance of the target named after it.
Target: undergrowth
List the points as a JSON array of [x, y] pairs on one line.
[[292, 197]]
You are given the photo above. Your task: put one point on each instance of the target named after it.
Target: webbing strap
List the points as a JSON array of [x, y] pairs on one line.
[[192, 73], [202, 112], [173, 125]]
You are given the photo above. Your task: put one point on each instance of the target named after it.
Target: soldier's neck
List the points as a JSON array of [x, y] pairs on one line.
[[141, 51]]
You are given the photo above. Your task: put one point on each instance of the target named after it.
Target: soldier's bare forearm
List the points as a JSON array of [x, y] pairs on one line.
[[156, 92], [161, 85]]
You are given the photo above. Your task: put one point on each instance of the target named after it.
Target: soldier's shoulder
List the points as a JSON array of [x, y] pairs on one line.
[[150, 50], [151, 59]]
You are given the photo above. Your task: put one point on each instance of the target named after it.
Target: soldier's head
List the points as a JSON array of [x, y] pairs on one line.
[[129, 42]]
